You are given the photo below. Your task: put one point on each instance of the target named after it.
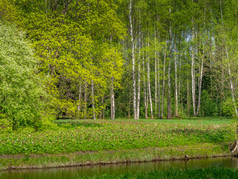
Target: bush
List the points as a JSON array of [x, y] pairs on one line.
[[208, 106], [5, 125], [21, 89], [227, 107]]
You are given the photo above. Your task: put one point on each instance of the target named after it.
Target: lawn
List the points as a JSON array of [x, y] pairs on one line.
[[97, 135]]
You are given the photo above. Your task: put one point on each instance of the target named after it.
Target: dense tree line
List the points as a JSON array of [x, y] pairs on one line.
[[107, 59]]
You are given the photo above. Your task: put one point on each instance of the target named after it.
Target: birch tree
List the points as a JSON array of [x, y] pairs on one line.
[[133, 59]]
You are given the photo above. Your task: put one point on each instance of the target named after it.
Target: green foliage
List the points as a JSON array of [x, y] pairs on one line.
[[21, 88], [5, 125], [8, 10], [84, 53], [74, 47], [228, 107], [113, 135], [208, 106]]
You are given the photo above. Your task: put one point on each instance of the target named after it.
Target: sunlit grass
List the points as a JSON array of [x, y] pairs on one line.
[[98, 135]]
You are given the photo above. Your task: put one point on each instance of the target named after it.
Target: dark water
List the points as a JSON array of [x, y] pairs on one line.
[[78, 172]]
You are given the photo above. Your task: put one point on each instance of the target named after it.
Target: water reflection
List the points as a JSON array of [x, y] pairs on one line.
[[77, 172]]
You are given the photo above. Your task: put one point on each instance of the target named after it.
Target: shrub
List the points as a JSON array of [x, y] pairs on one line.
[[21, 88]]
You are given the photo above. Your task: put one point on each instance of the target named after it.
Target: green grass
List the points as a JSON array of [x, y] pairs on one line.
[[101, 135], [118, 156], [105, 141], [174, 121]]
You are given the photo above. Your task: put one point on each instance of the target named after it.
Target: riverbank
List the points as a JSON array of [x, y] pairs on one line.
[[36, 161], [222, 167], [99, 142]]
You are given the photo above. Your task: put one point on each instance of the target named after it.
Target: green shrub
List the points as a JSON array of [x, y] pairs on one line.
[[5, 125], [228, 107], [208, 106], [21, 88]]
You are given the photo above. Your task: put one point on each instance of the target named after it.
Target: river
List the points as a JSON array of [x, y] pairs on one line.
[[78, 172]]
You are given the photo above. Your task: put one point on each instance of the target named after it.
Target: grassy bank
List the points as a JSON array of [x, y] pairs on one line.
[[112, 157], [84, 142]]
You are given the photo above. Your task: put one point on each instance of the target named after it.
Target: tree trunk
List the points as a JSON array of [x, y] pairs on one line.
[[112, 100], [138, 94], [129, 110], [193, 73], [158, 88], [93, 100], [200, 86], [188, 98], [85, 99], [133, 59], [138, 85], [102, 110], [180, 85], [139, 76], [163, 88], [156, 79], [79, 105], [169, 115], [176, 83], [148, 84], [231, 86], [145, 87], [201, 70]]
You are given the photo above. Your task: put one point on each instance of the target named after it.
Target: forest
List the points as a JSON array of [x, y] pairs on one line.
[[97, 59], [144, 86]]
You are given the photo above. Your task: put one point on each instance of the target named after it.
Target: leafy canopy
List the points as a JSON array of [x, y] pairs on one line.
[[20, 87]]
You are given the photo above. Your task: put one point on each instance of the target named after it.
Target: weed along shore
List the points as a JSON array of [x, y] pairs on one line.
[[99, 142], [13, 162]]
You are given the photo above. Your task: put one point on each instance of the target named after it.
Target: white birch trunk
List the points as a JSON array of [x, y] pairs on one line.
[[158, 75], [180, 84], [139, 74], [201, 73], [102, 110], [156, 79], [231, 85], [145, 88], [93, 100], [79, 105], [176, 83], [133, 59], [169, 115], [193, 74], [129, 110], [85, 99], [138, 93], [163, 88], [188, 97], [148, 84], [200, 86], [112, 100]]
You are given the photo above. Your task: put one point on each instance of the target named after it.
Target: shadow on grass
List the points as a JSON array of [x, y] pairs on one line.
[[78, 124], [213, 136]]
